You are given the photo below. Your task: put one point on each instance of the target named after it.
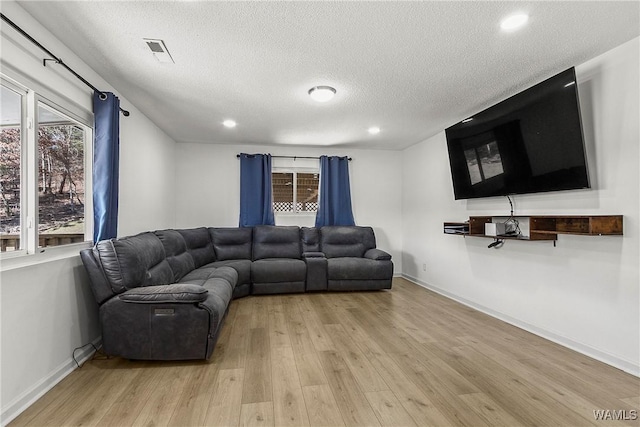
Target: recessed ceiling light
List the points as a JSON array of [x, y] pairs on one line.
[[514, 22], [374, 130], [322, 93], [229, 123]]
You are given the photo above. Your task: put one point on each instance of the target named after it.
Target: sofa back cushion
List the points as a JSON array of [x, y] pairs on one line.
[[346, 241], [198, 241], [175, 249], [310, 239], [134, 261], [99, 284], [231, 243], [270, 241]]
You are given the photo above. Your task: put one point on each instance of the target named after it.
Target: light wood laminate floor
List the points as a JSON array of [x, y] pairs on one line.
[[403, 357]]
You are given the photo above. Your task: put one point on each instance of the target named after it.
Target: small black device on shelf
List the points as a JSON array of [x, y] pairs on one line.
[[456, 228]]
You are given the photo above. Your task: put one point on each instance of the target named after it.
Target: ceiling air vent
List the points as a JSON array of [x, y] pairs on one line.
[[159, 50]]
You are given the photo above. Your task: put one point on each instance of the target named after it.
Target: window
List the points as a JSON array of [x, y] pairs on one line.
[[45, 167], [61, 192], [295, 191]]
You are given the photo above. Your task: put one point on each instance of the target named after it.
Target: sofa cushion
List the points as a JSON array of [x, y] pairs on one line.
[[358, 269], [200, 275], [270, 241], [231, 243], [175, 250], [242, 267], [273, 270], [134, 261], [198, 241], [221, 288], [342, 241]]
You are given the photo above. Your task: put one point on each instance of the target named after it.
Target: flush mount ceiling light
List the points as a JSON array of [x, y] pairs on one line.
[[514, 22], [322, 93], [374, 130], [229, 123]]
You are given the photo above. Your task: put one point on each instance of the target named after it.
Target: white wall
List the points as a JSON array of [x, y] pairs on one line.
[[147, 176], [47, 309], [585, 292], [208, 182]]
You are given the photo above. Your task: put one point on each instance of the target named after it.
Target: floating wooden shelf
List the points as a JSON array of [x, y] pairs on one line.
[[547, 227]]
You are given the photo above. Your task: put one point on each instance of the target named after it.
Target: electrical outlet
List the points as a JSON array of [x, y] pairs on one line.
[[424, 267]]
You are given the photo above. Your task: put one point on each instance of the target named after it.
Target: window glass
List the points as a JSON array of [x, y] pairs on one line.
[[10, 169], [307, 192], [295, 191], [282, 183], [61, 189]]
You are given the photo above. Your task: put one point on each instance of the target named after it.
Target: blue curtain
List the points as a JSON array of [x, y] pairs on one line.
[[256, 207], [106, 156], [334, 204]]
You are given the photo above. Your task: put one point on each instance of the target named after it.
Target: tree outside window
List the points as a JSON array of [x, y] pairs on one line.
[[59, 187]]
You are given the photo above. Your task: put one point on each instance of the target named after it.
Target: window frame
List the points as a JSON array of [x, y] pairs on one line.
[[295, 171], [36, 94], [24, 93]]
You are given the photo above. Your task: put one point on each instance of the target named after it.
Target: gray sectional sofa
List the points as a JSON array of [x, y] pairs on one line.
[[164, 295]]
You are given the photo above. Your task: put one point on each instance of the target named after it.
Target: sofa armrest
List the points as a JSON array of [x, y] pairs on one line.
[[175, 293], [312, 255], [377, 254]]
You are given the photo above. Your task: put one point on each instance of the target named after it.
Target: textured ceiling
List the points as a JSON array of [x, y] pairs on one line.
[[411, 68]]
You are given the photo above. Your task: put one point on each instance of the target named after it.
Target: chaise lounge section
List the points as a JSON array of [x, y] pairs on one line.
[[164, 295]]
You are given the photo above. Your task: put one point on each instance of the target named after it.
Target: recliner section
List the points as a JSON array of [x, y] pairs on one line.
[[164, 295], [277, 265], [353, 262]]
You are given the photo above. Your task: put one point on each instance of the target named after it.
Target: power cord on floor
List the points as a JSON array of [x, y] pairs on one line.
[[80, 348]]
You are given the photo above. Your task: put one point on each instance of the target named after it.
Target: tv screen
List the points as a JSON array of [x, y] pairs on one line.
[[529, 143]]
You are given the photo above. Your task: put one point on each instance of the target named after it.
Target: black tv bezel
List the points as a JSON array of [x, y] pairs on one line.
[[513, 100]]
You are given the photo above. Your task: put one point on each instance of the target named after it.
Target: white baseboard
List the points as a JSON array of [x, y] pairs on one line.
[[29, 397], [617, 362]]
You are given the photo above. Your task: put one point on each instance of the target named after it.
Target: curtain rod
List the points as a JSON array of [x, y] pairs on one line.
[[56, 59], [294, 157]]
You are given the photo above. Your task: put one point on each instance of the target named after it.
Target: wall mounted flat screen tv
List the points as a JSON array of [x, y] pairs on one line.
[[529, 143]]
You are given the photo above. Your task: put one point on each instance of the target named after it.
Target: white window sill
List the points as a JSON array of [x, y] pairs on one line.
[[304, 213], [9, 261], [300, 219]]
